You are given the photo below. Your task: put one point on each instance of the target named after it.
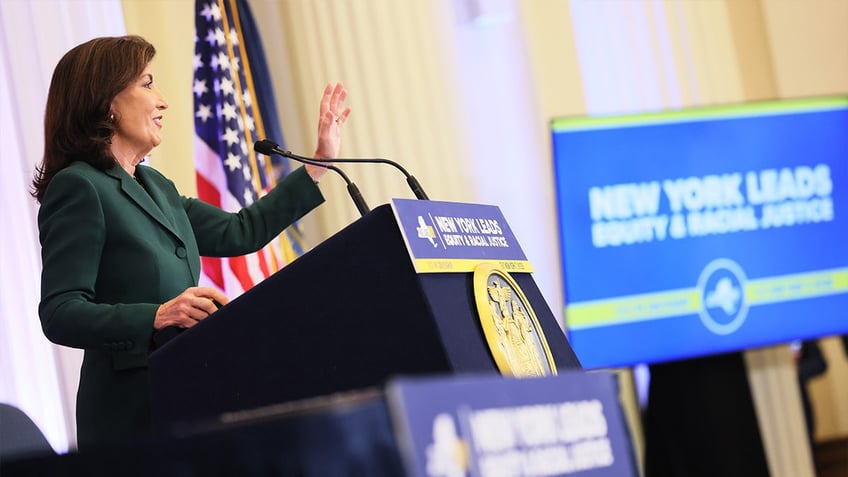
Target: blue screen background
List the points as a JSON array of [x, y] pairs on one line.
[[585, 158]]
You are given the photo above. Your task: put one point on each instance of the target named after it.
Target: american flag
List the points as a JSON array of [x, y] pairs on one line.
[[227, 122]]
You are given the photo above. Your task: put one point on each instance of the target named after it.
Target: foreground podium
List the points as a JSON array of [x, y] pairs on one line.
[[347, 315], [450, 425]]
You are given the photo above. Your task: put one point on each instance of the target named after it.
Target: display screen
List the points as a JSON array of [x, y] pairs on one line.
[[702, 231]]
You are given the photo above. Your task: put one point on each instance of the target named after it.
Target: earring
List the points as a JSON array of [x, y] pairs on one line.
[[112, 117]]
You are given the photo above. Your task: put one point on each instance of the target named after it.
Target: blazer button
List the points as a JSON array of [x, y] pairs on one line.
[[181, 252]]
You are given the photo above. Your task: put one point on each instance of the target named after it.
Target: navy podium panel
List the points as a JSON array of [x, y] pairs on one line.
[[347, 315], [349, 435]]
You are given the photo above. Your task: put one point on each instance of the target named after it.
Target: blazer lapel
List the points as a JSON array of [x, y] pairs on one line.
[[143, 199]]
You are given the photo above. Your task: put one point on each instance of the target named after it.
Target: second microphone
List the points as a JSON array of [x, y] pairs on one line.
[[268, 148]]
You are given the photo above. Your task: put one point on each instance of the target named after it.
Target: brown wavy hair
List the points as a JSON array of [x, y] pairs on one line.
[[78, 123]]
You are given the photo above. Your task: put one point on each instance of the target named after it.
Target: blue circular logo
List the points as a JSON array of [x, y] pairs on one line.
[[722, 289]]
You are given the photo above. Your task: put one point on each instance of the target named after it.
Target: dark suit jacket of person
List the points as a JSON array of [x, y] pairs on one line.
[[112, 252]]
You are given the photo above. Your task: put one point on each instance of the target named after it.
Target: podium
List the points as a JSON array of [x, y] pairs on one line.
[[347, 315]]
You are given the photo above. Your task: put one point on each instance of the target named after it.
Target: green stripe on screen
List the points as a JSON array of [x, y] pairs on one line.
[[687, 301], [712, 112]]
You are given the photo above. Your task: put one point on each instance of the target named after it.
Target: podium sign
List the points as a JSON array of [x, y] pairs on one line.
[[453, 237], [570, 424]]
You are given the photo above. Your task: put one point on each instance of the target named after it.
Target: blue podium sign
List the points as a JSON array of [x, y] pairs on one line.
[[445, 237], [702, 231], [486, 426]]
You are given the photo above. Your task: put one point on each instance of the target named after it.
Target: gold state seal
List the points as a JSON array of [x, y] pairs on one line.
[[509, 324]]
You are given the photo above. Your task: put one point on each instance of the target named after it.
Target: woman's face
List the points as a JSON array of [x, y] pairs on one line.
[[138, 112]]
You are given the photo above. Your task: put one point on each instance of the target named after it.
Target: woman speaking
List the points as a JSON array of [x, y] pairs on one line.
[[120, 246]]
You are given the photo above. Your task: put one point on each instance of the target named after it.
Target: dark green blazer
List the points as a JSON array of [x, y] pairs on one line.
[[112, 252]]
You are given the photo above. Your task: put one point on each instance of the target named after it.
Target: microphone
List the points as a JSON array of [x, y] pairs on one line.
[[267, 148], [410, 179]]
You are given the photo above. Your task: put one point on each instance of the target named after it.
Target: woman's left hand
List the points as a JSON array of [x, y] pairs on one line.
[[332, 115]]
